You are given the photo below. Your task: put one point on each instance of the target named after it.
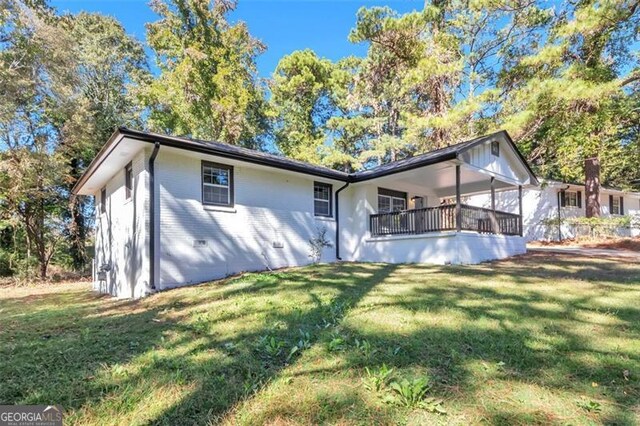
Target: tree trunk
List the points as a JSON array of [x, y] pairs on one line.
[[592, 186], [78, 231], [43, 270]]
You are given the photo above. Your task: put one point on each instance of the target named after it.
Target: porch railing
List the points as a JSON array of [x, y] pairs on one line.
[[443, 218]]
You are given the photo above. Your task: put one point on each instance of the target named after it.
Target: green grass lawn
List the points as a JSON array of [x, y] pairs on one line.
[[534, 340]]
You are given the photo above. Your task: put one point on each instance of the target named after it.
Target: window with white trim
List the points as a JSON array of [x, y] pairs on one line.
[[322, 199], [571, 198], [217, 184], [391, 201]]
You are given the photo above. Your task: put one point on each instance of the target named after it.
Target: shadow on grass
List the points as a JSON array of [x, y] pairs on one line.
[[77, 349], [203, 352]]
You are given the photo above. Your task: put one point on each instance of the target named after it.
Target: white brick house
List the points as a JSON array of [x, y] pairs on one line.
[[553, 200], [174, 211]]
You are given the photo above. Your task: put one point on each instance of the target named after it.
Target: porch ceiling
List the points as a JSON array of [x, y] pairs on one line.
[[440, 179]]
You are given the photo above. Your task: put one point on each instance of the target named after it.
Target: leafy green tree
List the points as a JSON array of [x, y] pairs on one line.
[[571, 98], [35, 79], [301, 103], [109, 66], [428, 77], [378, 98], [563, 81], [207, 87], [68, 82]]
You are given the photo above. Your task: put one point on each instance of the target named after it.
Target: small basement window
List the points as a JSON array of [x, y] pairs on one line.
[[128, 181], [322, 199], [217, 184]]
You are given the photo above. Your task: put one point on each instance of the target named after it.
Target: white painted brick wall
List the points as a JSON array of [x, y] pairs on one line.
[[121, 234], [441, 248], [270, 206]]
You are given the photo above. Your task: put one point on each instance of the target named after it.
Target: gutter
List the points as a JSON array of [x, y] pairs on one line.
[[152, 218], [338, 220]]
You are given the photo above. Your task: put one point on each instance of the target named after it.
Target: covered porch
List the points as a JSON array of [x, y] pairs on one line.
[[451, 213], [423, 210]]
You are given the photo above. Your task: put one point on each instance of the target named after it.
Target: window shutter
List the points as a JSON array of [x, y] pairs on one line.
[[610, 204], [621, 205], [563, 201], [579, 199]]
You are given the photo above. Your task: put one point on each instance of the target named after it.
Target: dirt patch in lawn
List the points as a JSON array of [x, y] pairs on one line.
[[632, 244]]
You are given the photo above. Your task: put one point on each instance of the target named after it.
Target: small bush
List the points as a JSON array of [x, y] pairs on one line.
[[318, 243]]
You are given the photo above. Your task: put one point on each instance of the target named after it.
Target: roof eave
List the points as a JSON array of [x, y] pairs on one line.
[[199, 146], [195, 146], [355, 178], [100, 157]]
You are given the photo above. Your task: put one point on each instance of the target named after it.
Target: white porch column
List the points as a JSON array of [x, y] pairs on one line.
[[520, 209], [458, 200]]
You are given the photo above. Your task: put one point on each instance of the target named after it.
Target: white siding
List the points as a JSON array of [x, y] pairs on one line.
[[271, 207], [121, 234], [502, 165]]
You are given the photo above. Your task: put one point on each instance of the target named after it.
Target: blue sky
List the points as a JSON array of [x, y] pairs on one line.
[[283, 25]]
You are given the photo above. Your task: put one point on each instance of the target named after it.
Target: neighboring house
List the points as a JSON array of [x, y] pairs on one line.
[[174, 211], [554, 199]]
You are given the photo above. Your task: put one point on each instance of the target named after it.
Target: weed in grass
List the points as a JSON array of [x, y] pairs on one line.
[[393, 351], [377, 379], [365, 348], [249, 387], [590, 406], [201, 323], [411, 393], [337, 310], [271, 347], [303, 343], [336, 344]]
